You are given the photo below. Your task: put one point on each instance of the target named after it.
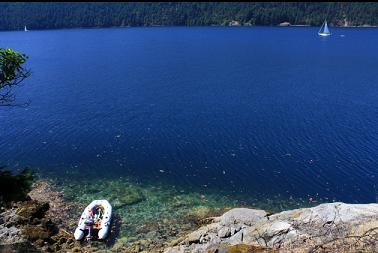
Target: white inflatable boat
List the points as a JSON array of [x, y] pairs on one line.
[[95, 221]]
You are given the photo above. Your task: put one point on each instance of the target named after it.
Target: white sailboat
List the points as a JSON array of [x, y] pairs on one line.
[[325, 31], [25, 29]]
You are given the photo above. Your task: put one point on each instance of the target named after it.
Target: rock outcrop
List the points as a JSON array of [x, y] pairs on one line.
[[37, 224], [331, 227]]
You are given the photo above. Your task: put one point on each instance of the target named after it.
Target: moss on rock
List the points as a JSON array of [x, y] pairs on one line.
[[35, 233], [32, 209], [243, 248]]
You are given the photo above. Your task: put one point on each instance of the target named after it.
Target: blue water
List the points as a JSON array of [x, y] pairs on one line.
[[255, 111]]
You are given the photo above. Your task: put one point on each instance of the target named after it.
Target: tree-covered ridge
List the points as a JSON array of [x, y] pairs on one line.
[[13, 16]]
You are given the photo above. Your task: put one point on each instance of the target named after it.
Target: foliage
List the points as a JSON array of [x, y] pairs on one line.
[[13, 16], [14, 187], [12, 73]]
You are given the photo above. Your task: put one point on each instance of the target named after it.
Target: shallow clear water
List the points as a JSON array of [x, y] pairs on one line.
[[157, 212], [246, 112]]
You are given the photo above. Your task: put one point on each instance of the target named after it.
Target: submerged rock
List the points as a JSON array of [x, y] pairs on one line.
[[345, 227], [126, 196], [119, 193]]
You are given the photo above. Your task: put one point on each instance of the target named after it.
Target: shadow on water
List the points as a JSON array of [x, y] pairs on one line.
[[116, 224]]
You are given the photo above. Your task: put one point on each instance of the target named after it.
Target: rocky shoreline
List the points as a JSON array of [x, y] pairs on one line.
[[38, 224], [330, 227], [45, 221]]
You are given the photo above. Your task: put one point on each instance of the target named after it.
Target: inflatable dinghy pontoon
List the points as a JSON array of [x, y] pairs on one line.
[[95, 221]]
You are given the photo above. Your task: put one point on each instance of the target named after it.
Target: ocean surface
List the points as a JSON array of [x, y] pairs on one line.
[[239, 111]]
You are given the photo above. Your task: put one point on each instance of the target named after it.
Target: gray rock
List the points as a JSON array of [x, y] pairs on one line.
[[236, 238], [242, 216], [224, 232], [347, 227]]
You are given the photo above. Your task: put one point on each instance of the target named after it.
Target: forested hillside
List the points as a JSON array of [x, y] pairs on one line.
[[13, 16]]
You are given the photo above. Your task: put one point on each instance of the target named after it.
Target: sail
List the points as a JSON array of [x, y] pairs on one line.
[[326, 31], [320, 30]]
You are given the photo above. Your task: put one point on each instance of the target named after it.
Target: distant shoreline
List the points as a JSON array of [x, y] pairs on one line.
[[173, 26]]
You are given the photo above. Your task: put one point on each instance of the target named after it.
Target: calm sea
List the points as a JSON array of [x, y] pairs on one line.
[[257, 111]]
